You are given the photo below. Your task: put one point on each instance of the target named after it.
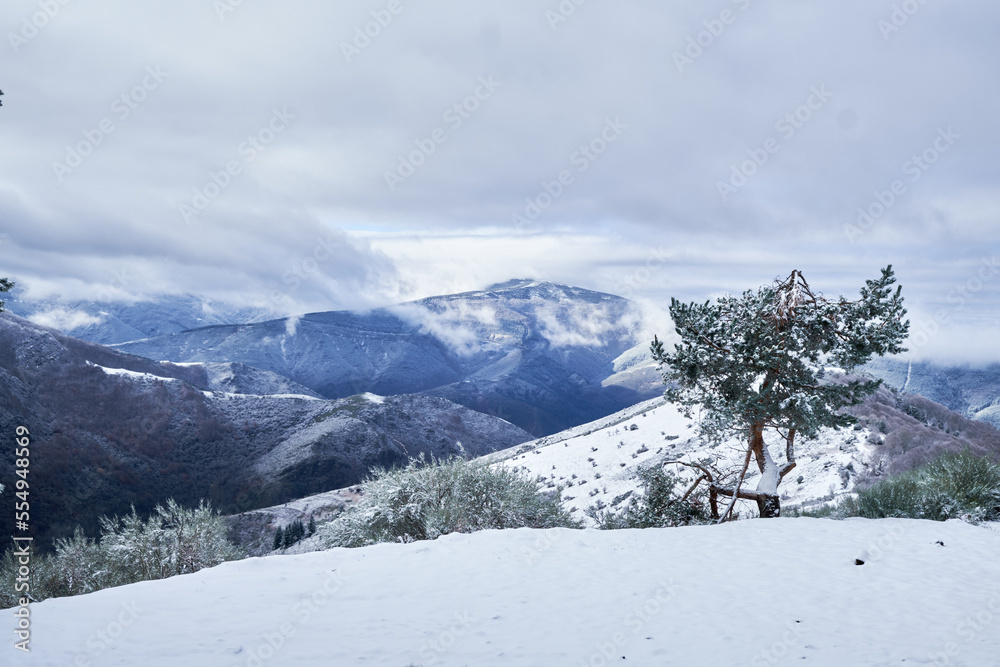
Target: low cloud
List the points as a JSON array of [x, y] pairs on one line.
[[459, 325], [65, 320], [583, 325]]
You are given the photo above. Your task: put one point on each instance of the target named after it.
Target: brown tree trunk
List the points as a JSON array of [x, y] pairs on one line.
[[757, 444]]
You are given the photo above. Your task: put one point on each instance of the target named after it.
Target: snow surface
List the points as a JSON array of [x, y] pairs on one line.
[[596, 462], [759, 592]]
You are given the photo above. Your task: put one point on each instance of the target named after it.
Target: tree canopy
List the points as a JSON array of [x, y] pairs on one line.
[[5, 286], [761, 361]]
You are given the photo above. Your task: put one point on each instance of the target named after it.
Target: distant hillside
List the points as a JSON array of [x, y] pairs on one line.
[[973, 392], [110, 430], [540, 355]]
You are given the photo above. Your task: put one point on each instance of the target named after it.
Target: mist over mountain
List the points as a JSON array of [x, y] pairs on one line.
[[106, 322], [540, 355], [111, 430]]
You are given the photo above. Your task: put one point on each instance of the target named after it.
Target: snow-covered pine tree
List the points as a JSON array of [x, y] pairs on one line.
[[759, 361]]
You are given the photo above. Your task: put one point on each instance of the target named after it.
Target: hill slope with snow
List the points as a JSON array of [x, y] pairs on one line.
[[542, 356], [596, 463], [762, 592]]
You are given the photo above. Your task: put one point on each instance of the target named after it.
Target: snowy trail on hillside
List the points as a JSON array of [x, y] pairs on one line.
[[689, 596]]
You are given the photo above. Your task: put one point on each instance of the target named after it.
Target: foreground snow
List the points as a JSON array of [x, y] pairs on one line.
[[761, 592]]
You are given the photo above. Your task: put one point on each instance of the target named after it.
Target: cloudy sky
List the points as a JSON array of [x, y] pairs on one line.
[[314, 155]]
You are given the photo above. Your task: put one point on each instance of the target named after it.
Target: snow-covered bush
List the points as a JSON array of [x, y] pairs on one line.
[[658, 506], [174, 540], [425, 500], [953, 486]]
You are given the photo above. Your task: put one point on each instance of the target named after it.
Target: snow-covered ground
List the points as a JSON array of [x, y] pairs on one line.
[[760, 592], [596, 462]]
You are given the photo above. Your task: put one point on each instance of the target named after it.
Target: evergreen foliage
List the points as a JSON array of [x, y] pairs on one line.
[[279, 539], [5, 285], [758, 362], [425, 500], [294, 532]]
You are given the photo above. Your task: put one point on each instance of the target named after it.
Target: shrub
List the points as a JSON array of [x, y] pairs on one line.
[[174, 540], [952, 486], [425, 500], [658, 507]]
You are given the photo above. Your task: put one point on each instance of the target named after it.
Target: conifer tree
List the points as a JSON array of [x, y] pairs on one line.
[[279, 539], [759, 362], [5, 285]]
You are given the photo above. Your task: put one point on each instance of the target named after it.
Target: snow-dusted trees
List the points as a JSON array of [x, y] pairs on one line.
[[426, 500], [758, 361], [173, 540]]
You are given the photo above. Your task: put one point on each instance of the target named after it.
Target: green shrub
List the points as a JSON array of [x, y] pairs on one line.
[[657, 507], [954, 485], [425, 500]]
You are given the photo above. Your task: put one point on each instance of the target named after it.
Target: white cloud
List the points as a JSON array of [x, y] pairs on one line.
[[459, 325], [65, 320]]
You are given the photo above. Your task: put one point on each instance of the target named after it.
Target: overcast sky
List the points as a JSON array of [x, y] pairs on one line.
[[315, 155]]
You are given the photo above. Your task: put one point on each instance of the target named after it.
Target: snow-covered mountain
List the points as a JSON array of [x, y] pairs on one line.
[[111, 430], [108, 322], [767, 592], [540, 355]]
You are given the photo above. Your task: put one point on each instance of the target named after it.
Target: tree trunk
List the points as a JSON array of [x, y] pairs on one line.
[[756, 444], [769, 506]]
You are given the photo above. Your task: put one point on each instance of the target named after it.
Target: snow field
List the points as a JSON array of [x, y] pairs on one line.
[[763, 592]]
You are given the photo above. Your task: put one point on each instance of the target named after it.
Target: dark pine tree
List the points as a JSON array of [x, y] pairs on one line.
[[279, 539]]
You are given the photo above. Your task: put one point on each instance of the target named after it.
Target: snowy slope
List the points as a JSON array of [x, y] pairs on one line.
[[597, 462], [928, 593]]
